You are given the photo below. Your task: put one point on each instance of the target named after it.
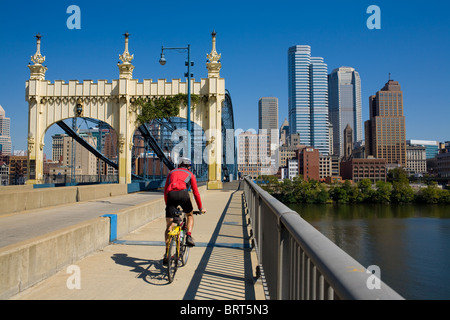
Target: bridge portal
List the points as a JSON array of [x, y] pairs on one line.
[[113, 103]]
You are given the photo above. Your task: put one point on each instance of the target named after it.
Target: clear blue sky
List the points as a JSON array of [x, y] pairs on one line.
[[253, 38]]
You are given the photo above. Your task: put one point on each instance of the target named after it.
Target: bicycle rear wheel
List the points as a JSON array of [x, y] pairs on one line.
[[172, 261], [184, 250]]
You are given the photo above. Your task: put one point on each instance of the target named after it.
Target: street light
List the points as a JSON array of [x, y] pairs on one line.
[[188, 75], [162, 60]]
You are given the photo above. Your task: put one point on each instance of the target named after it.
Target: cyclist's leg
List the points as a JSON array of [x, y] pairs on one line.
[[189, 210], [169, 225], [190, 221], [189, 226], [171, 208]]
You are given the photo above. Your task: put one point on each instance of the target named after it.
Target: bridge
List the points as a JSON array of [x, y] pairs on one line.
[[249, 246], [105, 241]]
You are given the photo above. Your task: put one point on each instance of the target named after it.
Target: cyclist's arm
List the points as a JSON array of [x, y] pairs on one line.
[[165, 188], [196, 193]]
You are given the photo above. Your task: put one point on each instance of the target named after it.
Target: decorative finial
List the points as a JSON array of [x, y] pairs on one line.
[[37, 70], [38, 59], [126, 68], [213, 65], [126, 57]]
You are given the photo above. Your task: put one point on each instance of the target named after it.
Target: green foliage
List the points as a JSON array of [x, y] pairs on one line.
[[299, 191], [162, 107], [402, 193], [433, 195], [383, 192], [399, 175], [312, 191]]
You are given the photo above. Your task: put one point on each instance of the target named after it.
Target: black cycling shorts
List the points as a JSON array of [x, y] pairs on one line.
[[175, 199]]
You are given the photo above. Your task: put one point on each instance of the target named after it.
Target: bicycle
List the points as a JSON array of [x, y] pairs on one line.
[[177, 250]]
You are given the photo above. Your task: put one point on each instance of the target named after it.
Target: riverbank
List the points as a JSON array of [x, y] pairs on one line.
[[312, 191]]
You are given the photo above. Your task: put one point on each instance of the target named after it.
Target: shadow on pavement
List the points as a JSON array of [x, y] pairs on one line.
[[151, 271], [226, 272]]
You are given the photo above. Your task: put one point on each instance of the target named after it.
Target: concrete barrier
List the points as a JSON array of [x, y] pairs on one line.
[[16, 187], [15, 200], [29, 262], [28, 199], [99, 191]]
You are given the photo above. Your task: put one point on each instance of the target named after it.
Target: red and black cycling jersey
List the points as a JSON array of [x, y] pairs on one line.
[[181, 179]]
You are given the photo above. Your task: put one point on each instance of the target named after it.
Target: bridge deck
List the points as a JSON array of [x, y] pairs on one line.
[[221, 265]]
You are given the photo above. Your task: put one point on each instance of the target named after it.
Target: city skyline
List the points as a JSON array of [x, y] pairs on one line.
[[92, 52]]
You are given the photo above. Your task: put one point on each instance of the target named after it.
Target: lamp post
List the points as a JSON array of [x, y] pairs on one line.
[[188, 75]]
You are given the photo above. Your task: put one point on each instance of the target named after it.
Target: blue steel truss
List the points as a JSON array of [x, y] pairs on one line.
[[159, 143]]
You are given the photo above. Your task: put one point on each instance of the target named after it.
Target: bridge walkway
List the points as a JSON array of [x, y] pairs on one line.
[[221, 266]]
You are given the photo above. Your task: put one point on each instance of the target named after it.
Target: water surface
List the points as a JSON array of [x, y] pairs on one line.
[[410, 243]]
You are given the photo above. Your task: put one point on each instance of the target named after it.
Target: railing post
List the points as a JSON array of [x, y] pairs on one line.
[[284, 262], [298, 261]]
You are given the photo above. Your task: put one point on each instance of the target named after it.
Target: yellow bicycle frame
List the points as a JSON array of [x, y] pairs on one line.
[[174, 233]]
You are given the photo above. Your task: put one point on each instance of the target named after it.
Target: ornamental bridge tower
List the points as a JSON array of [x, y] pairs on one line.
[[112, 102]]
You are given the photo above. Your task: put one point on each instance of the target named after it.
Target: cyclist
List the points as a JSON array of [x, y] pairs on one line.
[[176, 194]]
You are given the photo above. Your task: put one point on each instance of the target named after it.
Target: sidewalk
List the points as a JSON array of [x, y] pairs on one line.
[[221, 265]]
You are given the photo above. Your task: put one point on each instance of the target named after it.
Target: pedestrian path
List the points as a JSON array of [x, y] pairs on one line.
[[221, 266]]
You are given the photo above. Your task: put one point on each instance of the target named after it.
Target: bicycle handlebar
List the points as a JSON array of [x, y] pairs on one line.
[[180, 212]]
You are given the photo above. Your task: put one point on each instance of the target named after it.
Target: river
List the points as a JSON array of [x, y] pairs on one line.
[[410, 243]]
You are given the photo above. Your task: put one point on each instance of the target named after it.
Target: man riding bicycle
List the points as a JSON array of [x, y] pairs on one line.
[[176, 194]]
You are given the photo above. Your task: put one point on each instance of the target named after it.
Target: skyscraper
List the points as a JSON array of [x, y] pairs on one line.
[[268, 114], [385, 130], [5, 138], [308, 98], [344, 94], [268, 124]]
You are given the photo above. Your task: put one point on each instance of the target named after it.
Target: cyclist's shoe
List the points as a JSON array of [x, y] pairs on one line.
[[189, 241], [165, 260]]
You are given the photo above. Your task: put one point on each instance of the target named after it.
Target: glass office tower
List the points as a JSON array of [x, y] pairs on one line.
[[308, 98], [5, 138], [344, 96]]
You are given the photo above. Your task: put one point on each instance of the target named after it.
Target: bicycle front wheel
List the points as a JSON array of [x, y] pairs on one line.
[[184, 251], [172, 261]]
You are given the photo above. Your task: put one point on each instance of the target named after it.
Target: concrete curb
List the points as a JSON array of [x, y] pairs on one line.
[[24, 264]]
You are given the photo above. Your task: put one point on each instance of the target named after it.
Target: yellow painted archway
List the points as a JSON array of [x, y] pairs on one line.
[[112, 102]]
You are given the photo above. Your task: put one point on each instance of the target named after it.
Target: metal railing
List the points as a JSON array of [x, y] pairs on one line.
[[298, 262], [79, 179]]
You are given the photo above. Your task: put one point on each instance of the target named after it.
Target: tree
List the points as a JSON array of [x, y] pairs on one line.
[[430, 195], [383, 191], [339, 194], [402, 192], [398, 175], [286, 194], [366, 191]]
